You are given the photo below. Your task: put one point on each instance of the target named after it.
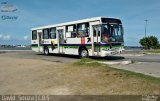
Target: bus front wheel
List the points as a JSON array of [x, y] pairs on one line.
[[83, 53]]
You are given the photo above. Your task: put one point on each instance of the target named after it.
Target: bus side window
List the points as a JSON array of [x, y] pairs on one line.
[[45, 33], [83, 30], [94, 32], [71, 29], [34, 35], [53, 33]]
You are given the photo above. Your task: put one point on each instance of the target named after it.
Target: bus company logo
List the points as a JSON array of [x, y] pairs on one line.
[[4, 7], [150, 98], [6, 17]]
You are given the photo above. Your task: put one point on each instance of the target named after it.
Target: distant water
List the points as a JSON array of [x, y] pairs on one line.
[[15, 48]]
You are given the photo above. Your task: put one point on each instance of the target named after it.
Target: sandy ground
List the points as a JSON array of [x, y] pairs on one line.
[[34, 74]]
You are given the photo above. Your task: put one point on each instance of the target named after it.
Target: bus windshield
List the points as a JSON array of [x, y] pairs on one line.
[[112, 33]]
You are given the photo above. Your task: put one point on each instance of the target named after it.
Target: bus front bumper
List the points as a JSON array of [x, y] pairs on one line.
[[111, 52]]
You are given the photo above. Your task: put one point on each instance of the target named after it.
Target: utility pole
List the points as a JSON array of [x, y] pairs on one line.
[[146, 26]]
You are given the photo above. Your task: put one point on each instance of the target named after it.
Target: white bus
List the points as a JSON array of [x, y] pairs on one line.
[[99, 36]]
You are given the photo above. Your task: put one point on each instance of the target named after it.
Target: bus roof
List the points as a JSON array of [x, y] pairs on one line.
[[70, 23]]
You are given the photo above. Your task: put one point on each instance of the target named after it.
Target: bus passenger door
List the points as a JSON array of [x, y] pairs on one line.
[[95, 31], [39, 39], [96, 40], [60, 34]]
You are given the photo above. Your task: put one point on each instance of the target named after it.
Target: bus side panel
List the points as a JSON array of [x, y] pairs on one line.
[[88, 45], [51, 44], [71, 51], [34, 45], [71, 46]]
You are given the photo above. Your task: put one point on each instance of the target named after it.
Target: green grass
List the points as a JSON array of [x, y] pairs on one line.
[[87, 62], [128, 74]]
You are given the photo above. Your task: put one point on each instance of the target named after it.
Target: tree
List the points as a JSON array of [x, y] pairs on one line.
[[144, 42], [149, 42]]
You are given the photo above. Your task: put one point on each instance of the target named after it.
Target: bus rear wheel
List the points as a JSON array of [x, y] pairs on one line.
[[83, 53], [46, 51]]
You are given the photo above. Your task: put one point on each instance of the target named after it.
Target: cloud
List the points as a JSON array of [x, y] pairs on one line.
[[1, 36], [26, 37], [7, 37]]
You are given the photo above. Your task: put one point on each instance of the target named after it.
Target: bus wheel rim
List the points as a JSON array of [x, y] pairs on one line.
[[46, 51], [84, 53]]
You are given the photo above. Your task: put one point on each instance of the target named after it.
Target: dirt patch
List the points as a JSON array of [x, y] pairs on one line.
[[2, 52], [37, 76]]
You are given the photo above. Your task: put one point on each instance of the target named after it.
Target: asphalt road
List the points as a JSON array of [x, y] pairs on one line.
[[134, 57], [33, 55], [143, 62], [70, 58], [148, 64], [145, 58]]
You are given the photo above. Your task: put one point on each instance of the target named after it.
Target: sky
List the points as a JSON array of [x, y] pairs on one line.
[[34, 13]]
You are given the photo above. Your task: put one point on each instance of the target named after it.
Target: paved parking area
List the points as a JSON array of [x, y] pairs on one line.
[[147, 68], [40, 56]]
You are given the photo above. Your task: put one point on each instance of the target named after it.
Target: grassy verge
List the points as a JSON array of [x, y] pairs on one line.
[[87, 62], [151, 51], [137, 75], [128, 74]]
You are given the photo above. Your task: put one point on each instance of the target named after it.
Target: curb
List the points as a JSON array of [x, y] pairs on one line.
[[117, 62], [131, 54]]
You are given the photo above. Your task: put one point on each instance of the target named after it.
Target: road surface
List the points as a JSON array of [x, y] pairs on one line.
[[66, 58]]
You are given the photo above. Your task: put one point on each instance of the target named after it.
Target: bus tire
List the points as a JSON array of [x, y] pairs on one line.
[[83, 53], [46, 51]]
